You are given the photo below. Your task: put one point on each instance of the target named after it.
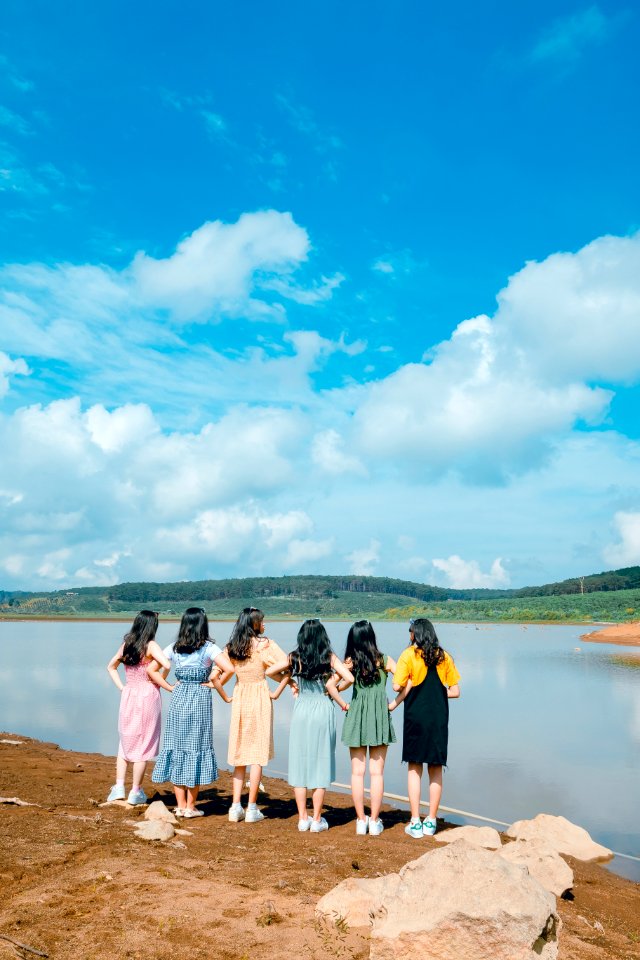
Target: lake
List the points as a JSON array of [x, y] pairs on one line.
[[545, 722]]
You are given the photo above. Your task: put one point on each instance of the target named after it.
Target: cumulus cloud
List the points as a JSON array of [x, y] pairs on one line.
[[625, 553], [8, 368], [466, 574], [490, 401], [327, 451], [364, 561]]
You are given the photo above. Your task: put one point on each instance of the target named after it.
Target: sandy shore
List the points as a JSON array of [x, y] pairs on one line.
[[76, 883], [624, 634]]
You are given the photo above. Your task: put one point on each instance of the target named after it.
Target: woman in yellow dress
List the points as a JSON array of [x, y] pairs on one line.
[[251, 729]]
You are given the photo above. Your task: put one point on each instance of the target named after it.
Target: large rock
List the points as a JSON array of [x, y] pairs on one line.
[[486, 837], [465, 903], [155, 830], [159, 811], [358, 900], [542, 862], [561, 835]]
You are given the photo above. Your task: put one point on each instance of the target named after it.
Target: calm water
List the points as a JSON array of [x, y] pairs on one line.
[[545, 723]]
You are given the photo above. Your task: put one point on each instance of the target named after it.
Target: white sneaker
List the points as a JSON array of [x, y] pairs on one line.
[[253, 815], [361, 827], [376, 827], [303, 825], [236, 813], [414, 829], [429, 827], [317, 826], [190, 814]]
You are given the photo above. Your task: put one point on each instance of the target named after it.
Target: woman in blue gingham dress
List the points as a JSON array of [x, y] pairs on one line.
[[187, 757]]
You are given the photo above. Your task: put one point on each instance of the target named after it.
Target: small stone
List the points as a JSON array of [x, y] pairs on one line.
[[18, 802], [159, 811], [183, 833], [155, 830], [598, 926], [13, 743], [179, 844], [486, 837]]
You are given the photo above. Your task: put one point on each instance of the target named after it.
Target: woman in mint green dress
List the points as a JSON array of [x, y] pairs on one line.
[[367, 725], [315, 670]]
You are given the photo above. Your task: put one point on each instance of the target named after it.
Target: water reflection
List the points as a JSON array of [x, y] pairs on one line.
[[543, 723]]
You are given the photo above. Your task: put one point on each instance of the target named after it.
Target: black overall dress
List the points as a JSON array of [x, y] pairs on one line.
[[426, 722]]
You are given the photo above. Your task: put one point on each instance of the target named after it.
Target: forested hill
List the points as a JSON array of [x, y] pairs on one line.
[[318, 587]]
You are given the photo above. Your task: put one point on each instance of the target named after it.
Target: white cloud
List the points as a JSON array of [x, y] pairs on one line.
[[489, 401], [327, 451], [383, 266], [212, 272], [9, 367], [568, 37], [466, 574], [365, 560], [625, 553]]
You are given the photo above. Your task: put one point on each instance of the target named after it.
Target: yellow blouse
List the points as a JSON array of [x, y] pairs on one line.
[[412, 667]]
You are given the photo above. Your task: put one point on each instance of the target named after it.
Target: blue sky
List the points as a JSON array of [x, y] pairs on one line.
[[318, 288]]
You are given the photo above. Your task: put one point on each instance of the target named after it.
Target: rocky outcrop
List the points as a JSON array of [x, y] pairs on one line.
[[543, 863], [560, 835], [465, 903], [486, 837], [358, 901]]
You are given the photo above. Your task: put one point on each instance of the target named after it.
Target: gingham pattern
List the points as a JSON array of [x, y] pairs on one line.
[[186, 756]]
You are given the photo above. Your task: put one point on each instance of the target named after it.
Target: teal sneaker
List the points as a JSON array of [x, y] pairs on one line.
[[414, 829], [429, 827]]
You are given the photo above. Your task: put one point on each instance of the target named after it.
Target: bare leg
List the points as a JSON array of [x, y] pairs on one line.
[[238, 783], [377, 756], [181, 796], [139, 768], [414, 781], [192, 796], [121, 768], [254, 782], [318, 800], [300, 794], [358, 767], [435, 789]]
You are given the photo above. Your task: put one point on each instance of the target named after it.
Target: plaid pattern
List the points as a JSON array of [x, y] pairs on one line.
[[186, 756]]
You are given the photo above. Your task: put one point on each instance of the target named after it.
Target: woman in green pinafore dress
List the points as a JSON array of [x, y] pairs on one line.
[[367, 725]]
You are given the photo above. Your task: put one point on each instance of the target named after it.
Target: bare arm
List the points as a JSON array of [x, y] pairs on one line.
[[112, 668], [274, 694], [159, 676], [154, 650], [345, 684], [453, 692], [217, 681], [279, 669], [341, 672], [399, 697]]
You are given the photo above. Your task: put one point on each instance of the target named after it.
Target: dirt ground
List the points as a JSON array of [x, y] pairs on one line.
[[76, 884]]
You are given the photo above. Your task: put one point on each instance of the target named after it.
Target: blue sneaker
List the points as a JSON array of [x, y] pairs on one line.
[[116, 793], [414, 829], [429, 827], [136, 797]]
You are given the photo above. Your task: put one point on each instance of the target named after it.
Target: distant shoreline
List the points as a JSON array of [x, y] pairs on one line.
[[623, 634], [590, 637]]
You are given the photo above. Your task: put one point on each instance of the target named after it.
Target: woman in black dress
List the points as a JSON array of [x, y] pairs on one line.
[[433, 680]]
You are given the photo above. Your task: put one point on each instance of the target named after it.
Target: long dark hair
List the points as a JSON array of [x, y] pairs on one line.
[[425, 639], [246, 629], [143, 631], [193, 632], [311, 659], [363, 652]]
